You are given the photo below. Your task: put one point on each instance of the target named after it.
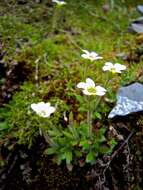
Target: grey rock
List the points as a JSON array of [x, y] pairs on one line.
[[138, 20], [129, 100], [137, 27], [140, 8]]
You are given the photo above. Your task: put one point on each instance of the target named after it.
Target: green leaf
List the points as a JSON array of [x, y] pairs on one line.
[[67, 134], [84, 144], [98, 115], [73, 142], [61, 141], [60, 157], [79, 98], [83, 130], [54, 132], [70, 117], [50, 151], [78, 153], [82, 109], [90, 158], [68, 157], [112, 142], [104, 149], [3, 126]]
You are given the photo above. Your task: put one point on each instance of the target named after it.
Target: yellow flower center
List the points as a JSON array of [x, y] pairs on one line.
[[43, 112], [113, 70], [91, 90]]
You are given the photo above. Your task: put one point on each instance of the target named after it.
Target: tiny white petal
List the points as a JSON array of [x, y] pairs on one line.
[[109, 64], [90, 82], [105, 68], [59, 2], [34, 107], [100, 91], [85, 91], [98, 57], [93, 54], [42, 104], [85, 51], [100, 88], [85, 56], [120, 67], [81, 85], [51, 109], [117, 71]]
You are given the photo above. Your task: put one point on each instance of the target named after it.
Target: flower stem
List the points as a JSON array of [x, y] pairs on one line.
[[97, 103], [85, 70], [106, 81], [89, 117]]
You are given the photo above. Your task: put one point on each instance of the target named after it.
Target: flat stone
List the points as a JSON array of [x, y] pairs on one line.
[[140, 8], [136, 25], [129, 100]]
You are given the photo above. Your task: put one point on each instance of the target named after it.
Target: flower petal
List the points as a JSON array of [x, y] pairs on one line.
[[59, 2], [85, 51], [34, 107], [86, 92], [98, 57], [90, 82], [100, 91], [81, 85], [85, 56], [119, 66], [108, 66], [94, 54], [51, 109], [105, 68]]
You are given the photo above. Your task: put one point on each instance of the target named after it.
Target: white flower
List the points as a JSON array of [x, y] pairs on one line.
[[43, 109], [59, 2], [92, 56], [89, 88], [116, 68]]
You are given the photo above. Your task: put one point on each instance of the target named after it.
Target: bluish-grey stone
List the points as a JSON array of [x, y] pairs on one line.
[[140, 8], [129, 100], [136, 25]]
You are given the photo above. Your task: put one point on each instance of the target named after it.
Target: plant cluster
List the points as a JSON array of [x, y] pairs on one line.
[[79, 142], [72, 125]]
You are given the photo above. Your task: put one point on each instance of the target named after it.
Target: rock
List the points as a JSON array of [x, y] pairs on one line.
[[140, 8], [129, 100], [136, 25], [139, 20]]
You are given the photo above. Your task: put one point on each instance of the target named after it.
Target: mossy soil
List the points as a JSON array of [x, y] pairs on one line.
[[27, 35]]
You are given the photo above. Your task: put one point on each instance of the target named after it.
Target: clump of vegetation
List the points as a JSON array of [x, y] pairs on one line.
[[55, 90]]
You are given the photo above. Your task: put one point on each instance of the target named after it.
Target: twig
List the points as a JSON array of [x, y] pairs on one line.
[[122, 145], [116, 152]]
